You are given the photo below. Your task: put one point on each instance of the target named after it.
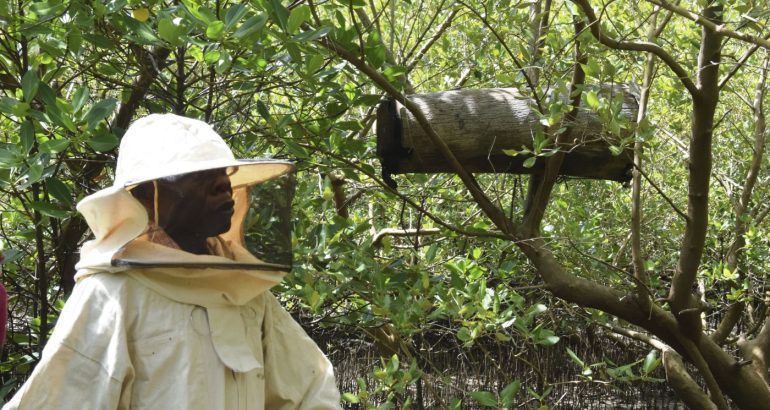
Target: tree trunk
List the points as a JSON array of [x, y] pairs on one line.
[[478, 125]]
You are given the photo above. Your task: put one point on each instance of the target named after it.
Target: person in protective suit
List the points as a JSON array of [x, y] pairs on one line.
[[170, 310]]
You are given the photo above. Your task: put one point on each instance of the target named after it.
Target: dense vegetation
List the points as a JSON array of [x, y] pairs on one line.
[[675, 260]]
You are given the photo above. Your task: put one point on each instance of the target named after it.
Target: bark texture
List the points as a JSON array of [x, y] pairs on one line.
[[478, 125]]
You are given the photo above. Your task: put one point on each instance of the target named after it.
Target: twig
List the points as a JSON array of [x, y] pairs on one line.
[[665, 197], [714, 27], [674, 65]]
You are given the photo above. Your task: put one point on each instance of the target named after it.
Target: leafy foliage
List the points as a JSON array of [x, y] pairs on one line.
[[74, 74]]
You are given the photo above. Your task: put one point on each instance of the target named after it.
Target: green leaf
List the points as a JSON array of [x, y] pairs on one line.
[[80, 97], [393, 71], [215, 30], [34, 173], [299, 15], [29, 85], [9, 158], [538, 308], [103, 141], [46, 8], [250, 26], [484, 398], [60, 191], [211, 56], [393, 364], [142, 33], [27, 135], [54, 146], [100, 111], [511, 152], [350, 398], [169, 31], [234, 15], [592, 99], [224, 62], [20, 109], [529, 162], [311, 35], [7, 104], [54, 115], [651, 362], [48, 209], [464, 334], [196, 53], [546, 337], [294, 52], [296, 150], [99, 40], [430, 255], [262, 110], [509, 393], [280, 14], [575, 358], [207, 14], [314, 63]]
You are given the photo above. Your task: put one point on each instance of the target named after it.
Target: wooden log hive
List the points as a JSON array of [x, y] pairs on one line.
[[477, 125]]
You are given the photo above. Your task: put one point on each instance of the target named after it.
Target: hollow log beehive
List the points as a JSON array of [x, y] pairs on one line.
[[477, 125]]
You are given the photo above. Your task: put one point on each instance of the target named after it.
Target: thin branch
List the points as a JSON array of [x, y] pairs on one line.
[[538, 201], [439, 31], [639, 336], [733, 254], [740, 63], [674, 65], [716, 28], [662, 194], [377, 238], [522, 70], [411, 202], [636, 191], [495, 214], [640, 285]]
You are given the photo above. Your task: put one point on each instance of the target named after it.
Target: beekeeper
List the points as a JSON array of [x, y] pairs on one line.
[[170, 309]]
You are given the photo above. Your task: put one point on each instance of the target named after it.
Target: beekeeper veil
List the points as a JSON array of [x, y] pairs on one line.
[[167, 146]]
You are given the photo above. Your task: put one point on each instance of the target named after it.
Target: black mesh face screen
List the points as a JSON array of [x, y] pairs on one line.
[[268, 225]]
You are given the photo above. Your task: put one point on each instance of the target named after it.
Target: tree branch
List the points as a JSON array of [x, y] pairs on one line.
[[594, 25], [412, 203], [700, 162], [501, 40], [636, 191], [538, 202], [424, 49], [495, 214], [681, 381], [377, 238], [757, 351], [738, 64], [736, 248], [715, 27]]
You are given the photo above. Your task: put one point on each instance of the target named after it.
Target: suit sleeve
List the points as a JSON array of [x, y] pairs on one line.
[[85, 364], [297, 373]]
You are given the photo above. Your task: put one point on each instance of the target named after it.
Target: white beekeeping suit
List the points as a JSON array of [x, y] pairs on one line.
[[150, 325]]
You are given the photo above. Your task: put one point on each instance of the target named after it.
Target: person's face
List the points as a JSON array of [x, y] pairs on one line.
[[199, 203]]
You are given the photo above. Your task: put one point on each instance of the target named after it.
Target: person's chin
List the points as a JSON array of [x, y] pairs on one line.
[[221, 228]]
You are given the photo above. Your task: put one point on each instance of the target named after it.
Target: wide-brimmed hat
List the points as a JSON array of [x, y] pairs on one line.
[[160, 146]]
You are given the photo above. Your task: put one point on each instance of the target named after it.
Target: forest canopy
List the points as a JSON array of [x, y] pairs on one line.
[[671, 266]]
